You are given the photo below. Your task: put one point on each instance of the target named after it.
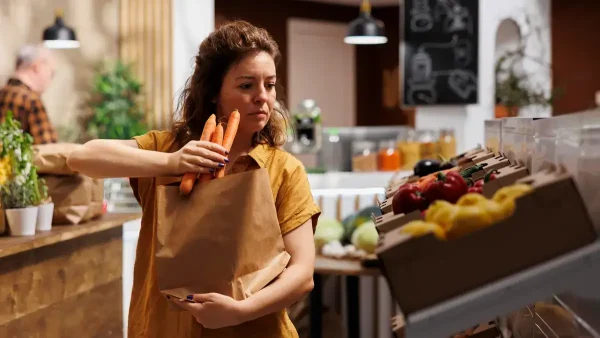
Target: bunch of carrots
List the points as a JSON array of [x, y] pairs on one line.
[[214, 133]]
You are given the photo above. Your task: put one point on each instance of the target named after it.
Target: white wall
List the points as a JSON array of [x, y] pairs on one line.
[[193, 20], [468, 120]]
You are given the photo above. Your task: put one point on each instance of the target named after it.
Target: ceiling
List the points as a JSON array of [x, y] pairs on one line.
[[374, 3]]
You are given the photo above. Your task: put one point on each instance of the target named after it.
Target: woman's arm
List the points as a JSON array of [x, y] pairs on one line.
[[123, 158], [117, 158], [294, 282]]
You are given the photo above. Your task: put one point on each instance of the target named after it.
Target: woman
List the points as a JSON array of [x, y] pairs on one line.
[[235, 69]]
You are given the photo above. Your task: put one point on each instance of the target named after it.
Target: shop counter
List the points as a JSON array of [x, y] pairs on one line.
[[66, 282]]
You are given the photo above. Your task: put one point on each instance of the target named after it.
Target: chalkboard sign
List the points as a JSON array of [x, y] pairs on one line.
[[440, 52]]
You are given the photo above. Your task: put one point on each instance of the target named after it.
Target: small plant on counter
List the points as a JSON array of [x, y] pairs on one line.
[[116, 110], [20, 180]]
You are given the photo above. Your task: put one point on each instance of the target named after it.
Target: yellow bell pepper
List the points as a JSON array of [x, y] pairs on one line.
[[442, 213], [468, 219], [471, 199], [497, 211], [421, 228], [511, 192]]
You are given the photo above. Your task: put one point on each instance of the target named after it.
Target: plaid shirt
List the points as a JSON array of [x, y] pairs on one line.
[[27, 107]]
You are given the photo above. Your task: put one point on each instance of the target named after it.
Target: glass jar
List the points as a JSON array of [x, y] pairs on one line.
[[388, 156], [409, 150], [447, 143], [364, 156], [428, 144]]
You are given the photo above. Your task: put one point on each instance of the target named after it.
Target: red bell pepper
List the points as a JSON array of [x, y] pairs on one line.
[[408, 199], [476, 189], [449, 187]]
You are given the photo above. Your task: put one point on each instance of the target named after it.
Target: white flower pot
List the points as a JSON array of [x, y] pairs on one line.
[[44, 217], [22, 222]]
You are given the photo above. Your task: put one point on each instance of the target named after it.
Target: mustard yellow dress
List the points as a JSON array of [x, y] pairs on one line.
[[149, 313]]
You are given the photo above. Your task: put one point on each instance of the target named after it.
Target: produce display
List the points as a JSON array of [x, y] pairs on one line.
[[470, 213], [355, 237], [447, 185]]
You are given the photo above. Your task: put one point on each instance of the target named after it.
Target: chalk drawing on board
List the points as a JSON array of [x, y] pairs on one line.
[[422, 94], [421, 19], [462, 82], [421, 67], [463, 53], [442, 45], [422, 82], [456, 17]]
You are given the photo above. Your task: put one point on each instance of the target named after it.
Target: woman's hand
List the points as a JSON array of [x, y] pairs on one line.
[[197, 157], [213, 310]]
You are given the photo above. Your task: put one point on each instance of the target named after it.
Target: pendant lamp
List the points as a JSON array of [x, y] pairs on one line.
[[365, 30], [59, 36]]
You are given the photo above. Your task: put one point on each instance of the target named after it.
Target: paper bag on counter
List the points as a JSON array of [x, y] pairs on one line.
[[223, 237], [77, 198], [52, 158]]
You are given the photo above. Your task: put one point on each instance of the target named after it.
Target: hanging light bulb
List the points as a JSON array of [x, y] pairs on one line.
[[59, 36], [365, 30]]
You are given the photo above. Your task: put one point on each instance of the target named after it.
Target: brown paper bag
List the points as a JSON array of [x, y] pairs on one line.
[[77, 198], [52, 158], [223, 237]]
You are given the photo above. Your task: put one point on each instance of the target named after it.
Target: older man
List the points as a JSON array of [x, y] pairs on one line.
[[22, 94]]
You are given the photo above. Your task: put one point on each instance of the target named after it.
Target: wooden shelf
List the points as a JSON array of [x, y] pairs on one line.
[[60, 233]]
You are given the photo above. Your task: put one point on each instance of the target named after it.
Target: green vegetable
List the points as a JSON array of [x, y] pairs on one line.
[[366, 237], [328, 230], [467, 173], [355, 220]]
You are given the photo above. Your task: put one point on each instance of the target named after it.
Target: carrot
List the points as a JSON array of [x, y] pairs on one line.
[[217, 138], [187, 183], [230, 132]]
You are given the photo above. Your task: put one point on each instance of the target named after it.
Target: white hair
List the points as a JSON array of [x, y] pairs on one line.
[[28, 54]]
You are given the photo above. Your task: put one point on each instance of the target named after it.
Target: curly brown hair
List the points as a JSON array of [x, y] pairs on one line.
[[221, 50]]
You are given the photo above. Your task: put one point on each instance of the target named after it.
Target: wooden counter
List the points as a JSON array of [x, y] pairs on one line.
[[66, 282]]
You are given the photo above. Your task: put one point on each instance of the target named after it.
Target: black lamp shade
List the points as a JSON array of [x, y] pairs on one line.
[[59, 36], [365, 30]]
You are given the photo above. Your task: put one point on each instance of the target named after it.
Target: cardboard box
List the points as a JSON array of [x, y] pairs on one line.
[[550, 221], [386, 206], [475, 159], [388, 222], [504, 176]]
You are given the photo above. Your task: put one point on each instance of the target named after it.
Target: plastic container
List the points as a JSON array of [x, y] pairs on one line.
[[364, 156], [447, 143], [428, 144], [493, 135], [410, 150], [388, 156]]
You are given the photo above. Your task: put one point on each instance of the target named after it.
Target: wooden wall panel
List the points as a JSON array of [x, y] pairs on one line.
[[146, 41], [56, 291], [575, 54]]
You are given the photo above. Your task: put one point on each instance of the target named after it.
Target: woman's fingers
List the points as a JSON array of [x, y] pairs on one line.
[[217, 148], [202, 162], [208, 153]]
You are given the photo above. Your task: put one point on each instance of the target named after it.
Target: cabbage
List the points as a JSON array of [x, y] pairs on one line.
[[328, 230], [365, 237]]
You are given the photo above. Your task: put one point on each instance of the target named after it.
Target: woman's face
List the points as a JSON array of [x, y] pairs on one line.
[[249, 87]]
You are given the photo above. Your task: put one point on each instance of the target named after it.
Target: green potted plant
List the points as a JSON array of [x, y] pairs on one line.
[[513, 86], [20, 192], [116, 111]]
